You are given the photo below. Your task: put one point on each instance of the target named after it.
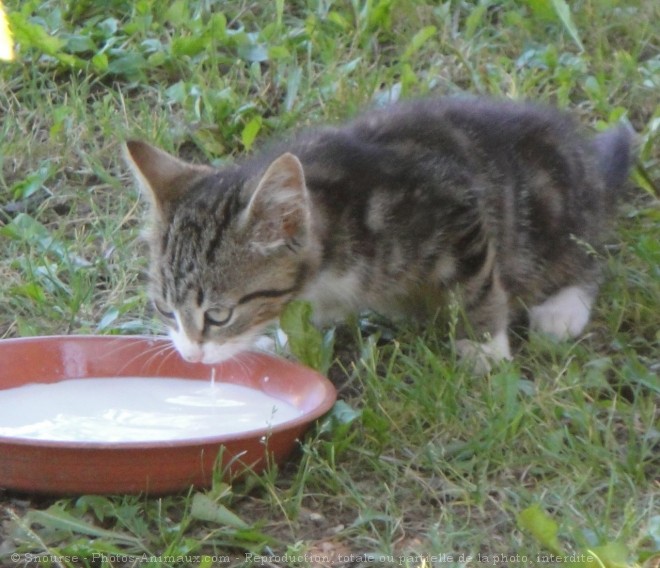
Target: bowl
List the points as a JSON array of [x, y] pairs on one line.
[[159, 467]]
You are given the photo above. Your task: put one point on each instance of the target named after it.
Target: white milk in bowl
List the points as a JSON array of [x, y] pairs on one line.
[[137, 409]]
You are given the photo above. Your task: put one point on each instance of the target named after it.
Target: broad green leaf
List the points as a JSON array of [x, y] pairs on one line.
[[408, 78], [205, 509], [33, 35], [592, 86], [80, 44], [100, 62], [189, 45], [108, 26], [129, 65], [418, 40], [253, 52], [32, 182], [27, 229], [32, 290], [542, 9], [380, 15], [541, 526], [217, 26], [108, 319], [250, 131], [306, 342], [292, 87], [340, 415], [350, 66], [152, 45], [101, 506], [611, 555], [642, 178], [338, 19], [276, 52], [177, 12], [475, 20], [71, 60], [177, 92], [304, 338], [209, 140]]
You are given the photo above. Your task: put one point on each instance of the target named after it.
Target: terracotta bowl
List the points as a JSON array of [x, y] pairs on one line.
[[56, 467]]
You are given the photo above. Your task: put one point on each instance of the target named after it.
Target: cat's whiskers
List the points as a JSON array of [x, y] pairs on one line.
[[119, 346], [157, 327], [245, 361], [250, 358], [169, 351], [162, 351], [136, 357]]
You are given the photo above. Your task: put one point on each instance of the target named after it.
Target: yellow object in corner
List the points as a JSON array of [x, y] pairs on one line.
[[6, 43]]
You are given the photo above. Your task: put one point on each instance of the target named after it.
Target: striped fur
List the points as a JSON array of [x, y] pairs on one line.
[[491, 200]]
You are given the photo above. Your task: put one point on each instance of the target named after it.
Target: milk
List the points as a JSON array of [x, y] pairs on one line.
[[134, 409]]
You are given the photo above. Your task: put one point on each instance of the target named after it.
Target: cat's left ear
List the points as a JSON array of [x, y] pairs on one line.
[[278, 212], [162, 178]]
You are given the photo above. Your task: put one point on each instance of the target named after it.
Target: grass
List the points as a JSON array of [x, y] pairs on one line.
[[421, 464]]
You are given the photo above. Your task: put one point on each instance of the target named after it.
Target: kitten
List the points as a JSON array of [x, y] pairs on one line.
[[497, 202]]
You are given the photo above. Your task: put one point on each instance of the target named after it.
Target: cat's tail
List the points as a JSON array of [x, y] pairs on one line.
[[614, 155]]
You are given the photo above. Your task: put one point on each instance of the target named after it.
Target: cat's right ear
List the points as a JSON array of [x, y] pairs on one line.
[[162, 178], [278, 213]]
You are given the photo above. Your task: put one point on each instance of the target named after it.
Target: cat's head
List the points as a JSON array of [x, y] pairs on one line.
[[229, 247]]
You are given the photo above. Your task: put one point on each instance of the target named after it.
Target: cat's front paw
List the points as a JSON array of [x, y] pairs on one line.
[[265, 343], [481, 356], [563, 315], [277, 344]]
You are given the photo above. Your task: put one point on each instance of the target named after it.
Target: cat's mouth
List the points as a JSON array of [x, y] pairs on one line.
[[210, 353]]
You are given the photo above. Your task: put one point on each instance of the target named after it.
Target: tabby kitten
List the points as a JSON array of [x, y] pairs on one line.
[[494, 201]]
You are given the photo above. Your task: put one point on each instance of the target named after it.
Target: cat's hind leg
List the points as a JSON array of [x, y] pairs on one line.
[[565, 314]]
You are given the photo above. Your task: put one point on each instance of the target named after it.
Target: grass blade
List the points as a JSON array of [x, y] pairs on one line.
[[563, 12], [57, 518]]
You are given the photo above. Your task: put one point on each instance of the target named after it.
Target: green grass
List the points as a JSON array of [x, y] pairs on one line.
[[421, 464]]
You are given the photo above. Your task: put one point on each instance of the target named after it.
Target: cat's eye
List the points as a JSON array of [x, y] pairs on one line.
[[163, 311], [218, 316]]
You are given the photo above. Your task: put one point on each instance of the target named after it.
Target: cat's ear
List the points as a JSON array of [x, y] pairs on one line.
[[278, 212], [162, 178]]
